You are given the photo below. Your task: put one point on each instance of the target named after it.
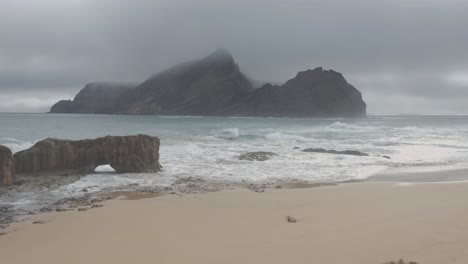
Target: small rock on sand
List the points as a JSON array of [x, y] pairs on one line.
[[290, 219]]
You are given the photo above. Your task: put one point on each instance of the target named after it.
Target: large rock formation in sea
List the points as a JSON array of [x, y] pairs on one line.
[[7, 166], [138, 153], [94, 98], [214, 86], [312, 93]]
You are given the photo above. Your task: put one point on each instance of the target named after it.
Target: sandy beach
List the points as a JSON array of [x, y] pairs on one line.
[[350, 223]]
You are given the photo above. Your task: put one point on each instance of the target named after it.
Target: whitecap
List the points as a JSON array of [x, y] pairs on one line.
[[229, 133]]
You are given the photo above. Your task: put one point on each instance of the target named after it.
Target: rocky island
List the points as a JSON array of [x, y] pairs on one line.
[[215, 86]]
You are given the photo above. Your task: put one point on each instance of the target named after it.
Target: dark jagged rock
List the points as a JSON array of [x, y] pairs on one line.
[[214, 86], [94, 98], [138, 153], [330, 151], [257, 155], [384, 156], [312, 93], [7, 166]]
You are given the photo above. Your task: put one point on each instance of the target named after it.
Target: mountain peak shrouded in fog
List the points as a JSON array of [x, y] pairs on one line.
[[215, 86], [220, 54]]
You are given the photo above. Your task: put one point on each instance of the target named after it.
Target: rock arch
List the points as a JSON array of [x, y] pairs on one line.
[[138, 153]]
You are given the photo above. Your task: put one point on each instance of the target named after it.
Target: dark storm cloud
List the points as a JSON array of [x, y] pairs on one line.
[[404, 55]]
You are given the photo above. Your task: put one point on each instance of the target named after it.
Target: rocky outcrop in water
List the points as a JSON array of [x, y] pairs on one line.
[[331, 151], [7, 166], [214, 86], [138, 153], [94, 98], [257, 155]]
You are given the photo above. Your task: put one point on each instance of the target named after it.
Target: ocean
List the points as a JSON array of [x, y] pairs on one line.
[[208, 148]]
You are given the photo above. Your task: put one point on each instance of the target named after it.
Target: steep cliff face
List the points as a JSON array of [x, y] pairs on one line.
[[312, 93], [203, 87], [94, 98]]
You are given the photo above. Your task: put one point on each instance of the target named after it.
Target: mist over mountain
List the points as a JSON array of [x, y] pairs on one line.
[[215, 86], [97, 98]]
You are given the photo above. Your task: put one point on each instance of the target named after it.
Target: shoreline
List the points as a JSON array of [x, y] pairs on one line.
[[410, 175], [367, 222], [196, 185]]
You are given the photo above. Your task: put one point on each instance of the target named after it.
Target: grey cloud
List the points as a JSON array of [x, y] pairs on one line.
[[390, 50]]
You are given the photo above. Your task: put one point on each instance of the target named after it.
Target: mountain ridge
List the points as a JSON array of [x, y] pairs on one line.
[[215, 86]]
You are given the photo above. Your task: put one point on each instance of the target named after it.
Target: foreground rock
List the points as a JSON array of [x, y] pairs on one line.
[[330, 151], [7, 166], [124, 153], [258, 156], [94, 98], [215, 86]]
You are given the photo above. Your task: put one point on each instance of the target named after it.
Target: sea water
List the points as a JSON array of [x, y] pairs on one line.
[[208, 147]]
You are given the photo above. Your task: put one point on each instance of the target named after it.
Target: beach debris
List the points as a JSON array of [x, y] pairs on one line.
[[401, 261], [189, 180], [291, 219], [96, 205], [82, 209], [256, 187], [39, 222], [257, 156], [63, 210]]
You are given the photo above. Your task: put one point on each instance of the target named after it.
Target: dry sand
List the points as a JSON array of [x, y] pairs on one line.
[[351, 223]]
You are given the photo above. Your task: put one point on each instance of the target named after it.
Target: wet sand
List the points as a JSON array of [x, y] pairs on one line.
[[350, 223], [422, 176]]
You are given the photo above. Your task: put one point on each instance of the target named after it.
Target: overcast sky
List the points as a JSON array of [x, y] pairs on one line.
[[406, 56]]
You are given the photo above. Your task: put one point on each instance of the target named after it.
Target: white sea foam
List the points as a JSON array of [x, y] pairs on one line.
[[229, 133], [15, 145], [209, 148], [104, 168], [101, 181]]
